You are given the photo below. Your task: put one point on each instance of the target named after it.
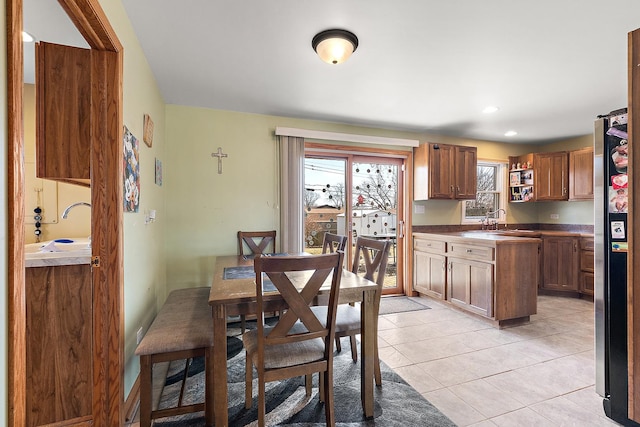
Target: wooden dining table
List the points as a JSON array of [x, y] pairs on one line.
[[234, 294]]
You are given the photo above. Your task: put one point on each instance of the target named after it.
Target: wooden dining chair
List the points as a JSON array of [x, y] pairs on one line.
[[299, 343], [258, 242], [374, 254], [333, 242]]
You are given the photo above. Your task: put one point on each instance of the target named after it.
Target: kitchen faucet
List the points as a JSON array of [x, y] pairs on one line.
[[487, 224], [65, 213]]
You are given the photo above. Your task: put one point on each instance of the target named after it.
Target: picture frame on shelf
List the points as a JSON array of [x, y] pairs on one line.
[[514, 178]]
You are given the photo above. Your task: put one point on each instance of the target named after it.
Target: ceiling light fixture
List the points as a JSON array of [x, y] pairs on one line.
[[490, 109], [334, 46], [510, 133]]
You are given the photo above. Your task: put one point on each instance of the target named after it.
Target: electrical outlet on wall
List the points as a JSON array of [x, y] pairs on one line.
[[139, 335], [554, 216]]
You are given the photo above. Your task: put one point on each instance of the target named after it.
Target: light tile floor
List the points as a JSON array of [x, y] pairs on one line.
[[537, 374]]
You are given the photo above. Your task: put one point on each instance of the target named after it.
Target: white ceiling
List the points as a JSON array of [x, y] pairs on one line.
[[551, 66]]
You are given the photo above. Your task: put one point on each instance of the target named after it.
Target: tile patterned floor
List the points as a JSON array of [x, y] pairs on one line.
[[539, 374]]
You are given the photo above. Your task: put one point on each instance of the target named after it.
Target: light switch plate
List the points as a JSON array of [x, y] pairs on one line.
[[419, 209], [554, 216]]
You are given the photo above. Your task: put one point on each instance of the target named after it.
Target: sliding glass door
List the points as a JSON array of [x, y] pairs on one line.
[[355, 196]]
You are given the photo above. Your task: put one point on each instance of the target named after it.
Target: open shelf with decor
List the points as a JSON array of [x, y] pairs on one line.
[[521, 179]]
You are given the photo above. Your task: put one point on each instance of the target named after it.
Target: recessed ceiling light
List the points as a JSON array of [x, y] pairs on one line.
[[27, 38], [510, 133], [490, 109]]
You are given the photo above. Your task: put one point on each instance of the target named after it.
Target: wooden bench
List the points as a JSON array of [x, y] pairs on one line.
[[183, 329]]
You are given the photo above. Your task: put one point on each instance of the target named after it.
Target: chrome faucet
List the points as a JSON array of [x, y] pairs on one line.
[[66, 211], [495, 215]]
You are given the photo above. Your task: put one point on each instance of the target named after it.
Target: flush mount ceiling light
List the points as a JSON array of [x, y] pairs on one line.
[[510, 133], [334, 46]]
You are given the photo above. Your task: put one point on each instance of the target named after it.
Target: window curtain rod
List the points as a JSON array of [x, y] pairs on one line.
[[348, 137]]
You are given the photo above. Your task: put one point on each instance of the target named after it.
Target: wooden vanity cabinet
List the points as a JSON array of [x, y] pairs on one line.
[[443, 171], [429, 267], [59, 345], [586, 275], [581, 174], [560, 263], [63, 113], [551, 176]]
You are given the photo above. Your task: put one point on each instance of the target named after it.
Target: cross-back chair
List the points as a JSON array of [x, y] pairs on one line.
[[333, 242], [300, 343], [374, 254], [258, 242]]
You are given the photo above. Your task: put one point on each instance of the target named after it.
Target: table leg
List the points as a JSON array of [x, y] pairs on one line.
[[220, 389], [367, 352]]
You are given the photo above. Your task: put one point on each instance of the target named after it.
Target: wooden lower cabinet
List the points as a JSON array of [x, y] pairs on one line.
[[470, 285], [560, 264], [586, 277], [429, 274], [59, 345], [493, 276]]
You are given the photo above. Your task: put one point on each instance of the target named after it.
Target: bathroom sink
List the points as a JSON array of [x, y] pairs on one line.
[[62, 252]]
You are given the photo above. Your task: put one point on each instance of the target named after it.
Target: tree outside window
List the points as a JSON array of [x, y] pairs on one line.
[[489, 194]]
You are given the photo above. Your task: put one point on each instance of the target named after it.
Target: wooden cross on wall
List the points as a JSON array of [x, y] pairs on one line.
[[220, 155]]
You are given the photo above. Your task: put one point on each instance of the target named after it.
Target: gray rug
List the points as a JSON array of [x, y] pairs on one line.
[[396, 402], [390, 305]]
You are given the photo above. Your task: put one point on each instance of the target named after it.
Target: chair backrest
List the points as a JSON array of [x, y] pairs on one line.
[[258, 242], [333, 242], [375, 254], [298, 280]]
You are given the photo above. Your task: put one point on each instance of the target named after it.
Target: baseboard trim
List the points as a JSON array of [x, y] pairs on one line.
[[133, 400]]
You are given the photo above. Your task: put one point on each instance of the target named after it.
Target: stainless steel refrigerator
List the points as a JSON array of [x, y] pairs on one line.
[[611, 146]]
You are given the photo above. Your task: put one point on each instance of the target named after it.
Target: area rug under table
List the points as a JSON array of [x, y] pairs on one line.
[[396, 402]]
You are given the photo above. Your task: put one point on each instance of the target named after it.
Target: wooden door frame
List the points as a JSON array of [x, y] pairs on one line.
[[106, 213]]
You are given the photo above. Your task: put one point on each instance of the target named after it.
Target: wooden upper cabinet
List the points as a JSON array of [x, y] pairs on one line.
[[63, 113], [581, 174], [443, 171], [466, 172], [551, 176]]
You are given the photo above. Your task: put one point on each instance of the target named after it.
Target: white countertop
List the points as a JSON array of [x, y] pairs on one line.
[[52, 253]]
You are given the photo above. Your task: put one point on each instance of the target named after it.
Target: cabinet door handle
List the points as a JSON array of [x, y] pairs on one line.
[[443, 266], [452, 189], [469, 251]]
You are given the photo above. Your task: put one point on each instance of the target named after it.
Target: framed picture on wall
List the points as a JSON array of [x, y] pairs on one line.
[[147, 133]]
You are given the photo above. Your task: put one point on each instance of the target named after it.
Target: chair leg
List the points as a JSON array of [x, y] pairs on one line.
[[145, 390], [338, 346], [321, 386], [261, 401], [376, 367], [327, 381], [308, 380], [243, 323], [354, 348], [248, 376]]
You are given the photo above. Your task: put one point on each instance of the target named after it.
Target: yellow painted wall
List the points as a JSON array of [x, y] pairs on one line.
[[144, 267], [78, 222]]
